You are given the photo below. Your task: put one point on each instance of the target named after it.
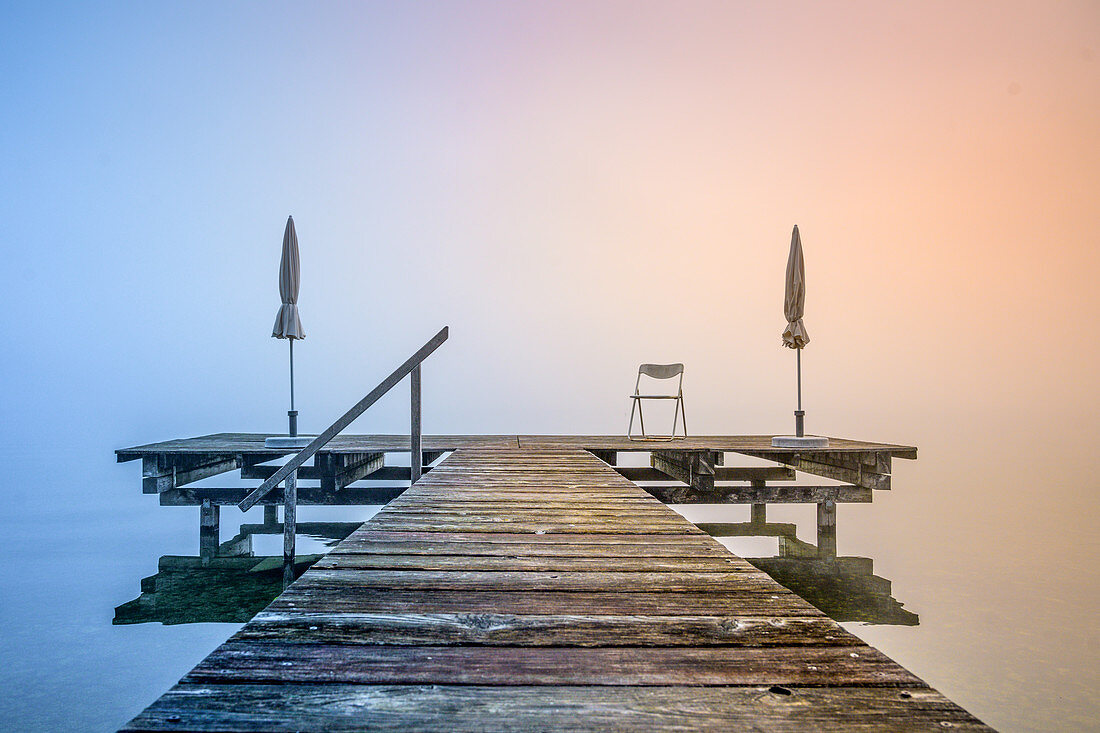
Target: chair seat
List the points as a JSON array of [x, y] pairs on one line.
[[654, 397]]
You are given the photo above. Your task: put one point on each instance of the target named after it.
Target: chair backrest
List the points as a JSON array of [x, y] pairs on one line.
[[661, 371]]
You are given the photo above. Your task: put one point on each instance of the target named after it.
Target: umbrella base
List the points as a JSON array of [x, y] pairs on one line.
[[804, 441], [288, 441]]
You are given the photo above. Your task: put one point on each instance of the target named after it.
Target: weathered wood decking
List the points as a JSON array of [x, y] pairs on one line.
[[532, 589]]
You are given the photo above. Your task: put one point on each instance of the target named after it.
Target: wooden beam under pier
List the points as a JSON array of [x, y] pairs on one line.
[[310, 495], [162, 472], [681, 494], [694, 468], [720, 473]]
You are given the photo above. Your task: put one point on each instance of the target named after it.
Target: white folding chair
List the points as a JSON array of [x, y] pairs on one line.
[[658, 371]]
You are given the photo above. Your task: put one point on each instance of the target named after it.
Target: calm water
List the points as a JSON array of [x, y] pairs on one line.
[[983, 583]]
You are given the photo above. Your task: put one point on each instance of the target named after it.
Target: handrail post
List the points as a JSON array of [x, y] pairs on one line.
[[415, 438], [413, 362], [290, 506]]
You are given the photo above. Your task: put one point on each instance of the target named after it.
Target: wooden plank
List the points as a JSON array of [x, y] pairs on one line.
[[758, 600], [342, 708], [610, 516], [538, 563], [504, 503], [370, 532], [576, 630], [715, 582], [272, 662], [533, 527], [604, 550]]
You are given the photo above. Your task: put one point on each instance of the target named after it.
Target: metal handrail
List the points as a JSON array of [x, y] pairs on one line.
[[411, 364]]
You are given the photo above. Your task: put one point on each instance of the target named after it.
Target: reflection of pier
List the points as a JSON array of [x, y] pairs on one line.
[[845, 588], [230, 588]]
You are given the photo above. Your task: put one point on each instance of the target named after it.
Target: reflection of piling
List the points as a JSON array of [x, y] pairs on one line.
[[826, 530], [759, 512], [209, 534]]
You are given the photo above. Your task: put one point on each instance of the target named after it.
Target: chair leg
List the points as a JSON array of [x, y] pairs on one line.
[[683, 415], [641, 418], [630, 427]]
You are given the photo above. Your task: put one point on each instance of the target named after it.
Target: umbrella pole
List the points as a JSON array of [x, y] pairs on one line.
[[292, 414], [799, 414], [290, 491]]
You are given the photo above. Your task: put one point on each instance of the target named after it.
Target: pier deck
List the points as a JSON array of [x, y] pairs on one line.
[[535, 587], [681, 471]]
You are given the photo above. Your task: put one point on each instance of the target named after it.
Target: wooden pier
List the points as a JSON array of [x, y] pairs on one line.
[[355, 470], [525, 584]]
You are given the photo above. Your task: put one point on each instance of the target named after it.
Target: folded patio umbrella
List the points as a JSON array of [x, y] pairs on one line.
[[287, 323], [794, 302], [796, 337]]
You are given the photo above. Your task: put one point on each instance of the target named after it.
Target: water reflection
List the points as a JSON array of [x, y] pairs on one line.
[[845, 588], [231, 587], [237, 584]]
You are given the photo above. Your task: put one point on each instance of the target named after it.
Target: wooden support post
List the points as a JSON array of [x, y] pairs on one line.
[[416, 456], [826, 530], [758, 512], [290, 498], [271, 514], [209, 536]]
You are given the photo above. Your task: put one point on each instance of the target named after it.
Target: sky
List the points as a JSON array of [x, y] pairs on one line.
[[576, 188], [573, 188]]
